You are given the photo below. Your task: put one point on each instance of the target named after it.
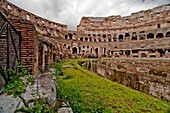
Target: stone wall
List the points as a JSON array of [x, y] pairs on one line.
[[39, 45], [12, 11], [149, 84], [143, 34]]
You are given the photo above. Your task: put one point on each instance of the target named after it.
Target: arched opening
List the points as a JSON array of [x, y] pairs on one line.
[[168, 34], [79, 49], [143, 55], [86, 39], [61, 57], [120, 38], [161, 52], [74, 50], [134, 36], [150, 36], [70, 35], [104, 36], [127, 52], [109, 35], [127, 35], [98, 35], [121, 52], [104, 52], [115, 37], [142, 35], [109, 40], [159, 35], [96, 50], [66, 36], [81, 39], [90, 39]]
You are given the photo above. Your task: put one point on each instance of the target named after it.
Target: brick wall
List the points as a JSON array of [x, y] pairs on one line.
[[29, 45], [3, 46]]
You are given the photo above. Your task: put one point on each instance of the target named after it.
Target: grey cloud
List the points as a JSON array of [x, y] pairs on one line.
[[71, 11]]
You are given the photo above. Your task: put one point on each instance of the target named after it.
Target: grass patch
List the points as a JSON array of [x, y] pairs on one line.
[[58, 66], [89, 93]]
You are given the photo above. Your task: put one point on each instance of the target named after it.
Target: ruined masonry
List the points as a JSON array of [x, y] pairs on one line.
[[134, 42]]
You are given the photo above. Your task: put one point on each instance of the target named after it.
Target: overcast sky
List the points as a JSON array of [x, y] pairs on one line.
[[70, 12]]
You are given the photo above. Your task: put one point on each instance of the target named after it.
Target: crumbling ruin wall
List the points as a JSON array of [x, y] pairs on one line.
[[39, 45], [29, 46], [152, 85], [4, 46]]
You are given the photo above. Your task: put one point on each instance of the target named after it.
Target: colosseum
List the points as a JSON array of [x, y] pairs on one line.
[[38, 42], [143, 34]]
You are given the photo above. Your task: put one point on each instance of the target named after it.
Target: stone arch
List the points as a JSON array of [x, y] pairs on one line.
[[104, 36], [143, 55], [96, 51], [159, 35], [121, 52], [142, 35], [99, 35], [81, 39], [127, 35], [161, 52], [150, 36], [90, 39], [115, 37], [70, 36], [66, 36], [109, 35], [120, 38], [94, 40], [127, 52], [79, 50], [134, 36], [86, 39], [167, 34], [54, 57], [104, 51], [61, 56], [115, 47], [91, 50], [109, 40], [74, 50]]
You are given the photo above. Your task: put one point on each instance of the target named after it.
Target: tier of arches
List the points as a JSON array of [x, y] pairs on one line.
[[97, 52], [25, 15], [123, 37]]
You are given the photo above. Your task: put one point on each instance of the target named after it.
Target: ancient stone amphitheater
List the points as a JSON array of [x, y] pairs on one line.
[[39, 42]]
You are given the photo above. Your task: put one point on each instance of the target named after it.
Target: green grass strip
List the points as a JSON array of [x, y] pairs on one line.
[[89, 93]]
